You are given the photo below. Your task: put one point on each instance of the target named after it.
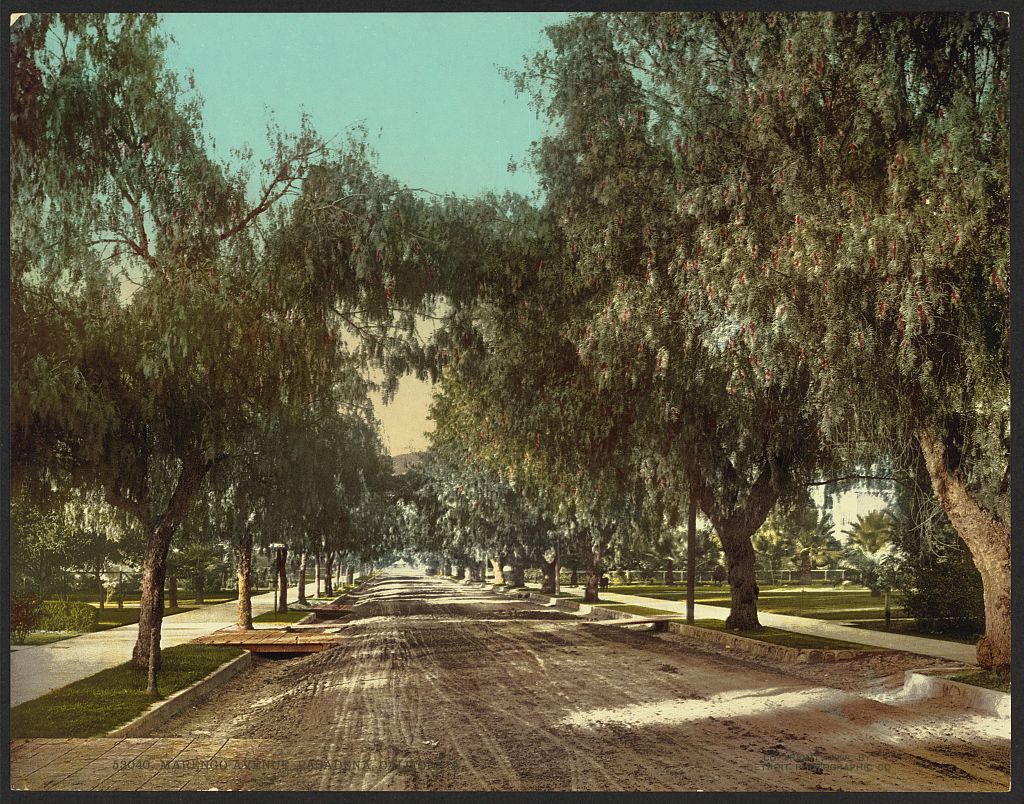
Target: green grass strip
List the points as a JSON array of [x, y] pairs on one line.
[[110, 698], [775, 636], [115, 617], [280, 617], [44, 638], [638, 609], [983, 678], [789, 639], [108, 618], [909, 627]]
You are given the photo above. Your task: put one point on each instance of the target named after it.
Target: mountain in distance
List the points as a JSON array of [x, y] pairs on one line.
[[406, 461]]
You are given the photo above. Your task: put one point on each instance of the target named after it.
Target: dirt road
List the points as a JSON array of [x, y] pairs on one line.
[[438, 686]]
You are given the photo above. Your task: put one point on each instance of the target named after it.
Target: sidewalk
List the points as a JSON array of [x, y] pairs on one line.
[[954, 651], [37, 669]]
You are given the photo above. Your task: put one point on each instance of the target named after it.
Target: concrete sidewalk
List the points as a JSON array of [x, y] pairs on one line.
[[37, 669], [954, 651]]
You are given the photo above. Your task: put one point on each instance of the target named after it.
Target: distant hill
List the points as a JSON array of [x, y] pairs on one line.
[[406, 461]]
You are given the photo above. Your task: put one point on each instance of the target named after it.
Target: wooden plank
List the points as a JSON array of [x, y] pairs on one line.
[[279, 648], [656, 621]]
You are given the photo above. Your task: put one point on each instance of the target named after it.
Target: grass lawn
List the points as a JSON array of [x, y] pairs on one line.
[[108, 618], [838, 604], [792, 640], [44, 638], [983, 678], [108, 699], [132, 598], [674, 591], [822, 603], [645, 611], [907, 627], [774, 635], [209, 601], [853, 605], [115, 617], [280, 617]]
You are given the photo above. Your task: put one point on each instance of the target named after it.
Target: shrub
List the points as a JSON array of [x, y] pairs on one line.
[[67, 615], [26, 612], [943, 593]]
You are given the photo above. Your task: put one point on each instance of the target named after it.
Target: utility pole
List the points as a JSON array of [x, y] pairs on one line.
[[691, 550]]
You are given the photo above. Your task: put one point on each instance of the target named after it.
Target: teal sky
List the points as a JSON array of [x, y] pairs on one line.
[[427, 87]]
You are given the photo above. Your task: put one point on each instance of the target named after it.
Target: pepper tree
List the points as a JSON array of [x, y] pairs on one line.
[[158, 312], [851, 197], [656, 335]]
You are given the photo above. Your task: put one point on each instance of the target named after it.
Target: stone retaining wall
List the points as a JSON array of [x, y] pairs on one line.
[[989, 702]]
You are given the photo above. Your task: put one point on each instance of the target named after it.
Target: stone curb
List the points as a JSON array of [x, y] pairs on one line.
[[980, 699], [756, 647], [162, 711], [727, 641]]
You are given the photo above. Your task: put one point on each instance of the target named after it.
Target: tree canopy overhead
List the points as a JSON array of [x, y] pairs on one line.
[[776, 245], [769, 248]]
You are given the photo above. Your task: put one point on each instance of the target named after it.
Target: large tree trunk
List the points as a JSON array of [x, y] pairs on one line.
[[282, 579], [172, 591], [735, 526], [318, 584], [574, 576], [987, 538], [329, 577], [154, 557], [499, 572], [350, 576], [97, 574], [670, 577], [743, 586], [245, 581], [549, 568], [470, 571], [518, 575], [446, 568], [591, 554]]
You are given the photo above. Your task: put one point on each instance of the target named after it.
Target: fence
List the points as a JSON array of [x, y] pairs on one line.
[[820, 577]]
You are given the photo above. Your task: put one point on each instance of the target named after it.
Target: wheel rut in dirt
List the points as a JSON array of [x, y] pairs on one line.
[[442, 686]]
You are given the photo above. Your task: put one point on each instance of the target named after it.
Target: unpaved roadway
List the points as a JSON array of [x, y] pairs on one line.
[[440, 686]]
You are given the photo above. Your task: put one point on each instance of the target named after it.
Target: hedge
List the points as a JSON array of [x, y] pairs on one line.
[[68, 615]]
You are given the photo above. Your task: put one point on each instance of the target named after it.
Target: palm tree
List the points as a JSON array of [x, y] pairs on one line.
[[867, 548], [871, 532], [817, 546]]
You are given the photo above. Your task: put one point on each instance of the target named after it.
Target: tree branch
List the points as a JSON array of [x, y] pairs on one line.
[[832, 480]]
